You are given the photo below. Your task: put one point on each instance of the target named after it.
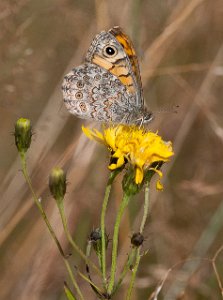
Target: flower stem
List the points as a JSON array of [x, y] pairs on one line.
[[146, 208], [103, 233], [126, 268], [70, 239], [73, 279], [44, 216], [129, 291], [89, 280], [138, 256], [39, 205], [124, 203]]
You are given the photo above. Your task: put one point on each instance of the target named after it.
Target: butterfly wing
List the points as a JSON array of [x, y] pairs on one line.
[[127, 45], [121, 61], [90, 91], [108, 86]]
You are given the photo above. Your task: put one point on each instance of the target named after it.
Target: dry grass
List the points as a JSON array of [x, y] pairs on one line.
[[181, 47]]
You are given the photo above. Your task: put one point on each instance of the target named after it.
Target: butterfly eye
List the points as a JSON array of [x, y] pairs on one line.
[[110, 51]]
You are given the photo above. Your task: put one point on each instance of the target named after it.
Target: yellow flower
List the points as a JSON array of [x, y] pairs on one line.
[[139, 147]]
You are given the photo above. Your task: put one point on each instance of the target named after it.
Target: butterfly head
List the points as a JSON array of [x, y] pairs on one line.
[[140, 116], [147, 116]]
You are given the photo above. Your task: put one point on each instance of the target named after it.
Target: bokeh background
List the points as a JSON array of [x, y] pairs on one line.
[[180, 49]]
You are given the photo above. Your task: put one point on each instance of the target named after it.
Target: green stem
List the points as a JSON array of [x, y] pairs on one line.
[[134, 271], [43, 214], [138, 256], [73, 279], [103, 233], [99, 258], [39, 205], [146, 208], [89, 280], [95, 288], [126, 268], [88, 249], [70, 239], [124, 203]]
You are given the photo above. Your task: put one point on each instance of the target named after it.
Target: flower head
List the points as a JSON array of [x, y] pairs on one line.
[[139, 147]]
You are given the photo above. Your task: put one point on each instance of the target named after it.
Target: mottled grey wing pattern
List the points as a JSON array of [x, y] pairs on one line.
[[105, 87], [92, 92]]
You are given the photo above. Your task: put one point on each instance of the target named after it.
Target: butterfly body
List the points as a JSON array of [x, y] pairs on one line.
[[107, 87]]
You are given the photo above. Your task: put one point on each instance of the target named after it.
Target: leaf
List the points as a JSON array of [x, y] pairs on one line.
[[69, 294]]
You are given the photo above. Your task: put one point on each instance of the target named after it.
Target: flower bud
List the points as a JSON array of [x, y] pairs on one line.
[[23, 134], [137, 239], [57, 183]]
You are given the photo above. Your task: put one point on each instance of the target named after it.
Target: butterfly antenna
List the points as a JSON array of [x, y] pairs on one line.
[[168, 109]]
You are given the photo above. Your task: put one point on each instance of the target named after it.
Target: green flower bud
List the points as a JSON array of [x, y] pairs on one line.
[[57, 183], [23, 134]]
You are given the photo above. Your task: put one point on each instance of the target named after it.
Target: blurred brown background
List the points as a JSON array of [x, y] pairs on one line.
[[180, 49]]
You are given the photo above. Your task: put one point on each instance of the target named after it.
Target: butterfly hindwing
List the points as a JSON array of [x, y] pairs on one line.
[[92, 92]]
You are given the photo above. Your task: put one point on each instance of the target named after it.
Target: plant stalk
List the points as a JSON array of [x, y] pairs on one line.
[[124, 203]]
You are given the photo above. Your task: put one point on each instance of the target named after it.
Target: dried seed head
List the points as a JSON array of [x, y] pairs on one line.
[[137, 239]]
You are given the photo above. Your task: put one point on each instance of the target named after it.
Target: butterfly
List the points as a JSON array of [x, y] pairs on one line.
[[107, 86]]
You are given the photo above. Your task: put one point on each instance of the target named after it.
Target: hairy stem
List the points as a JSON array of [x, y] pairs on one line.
[[103, 233], [138, 256], [124, 203]]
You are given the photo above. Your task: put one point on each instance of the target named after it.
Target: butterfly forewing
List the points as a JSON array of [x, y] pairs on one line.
[[134, 71]]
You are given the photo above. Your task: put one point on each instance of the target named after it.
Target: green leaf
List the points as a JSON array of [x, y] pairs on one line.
[[69, 294]]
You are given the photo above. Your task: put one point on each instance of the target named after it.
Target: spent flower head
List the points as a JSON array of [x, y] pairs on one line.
[[137, 146], [95, 239], [137, 239]]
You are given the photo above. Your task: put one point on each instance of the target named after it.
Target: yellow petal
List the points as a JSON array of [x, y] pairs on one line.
[[157, 171], [120, 162], [93, 135], [159, 186], [87, 132], [138, 176], [138, 146], [110, 137], [112, 167]]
